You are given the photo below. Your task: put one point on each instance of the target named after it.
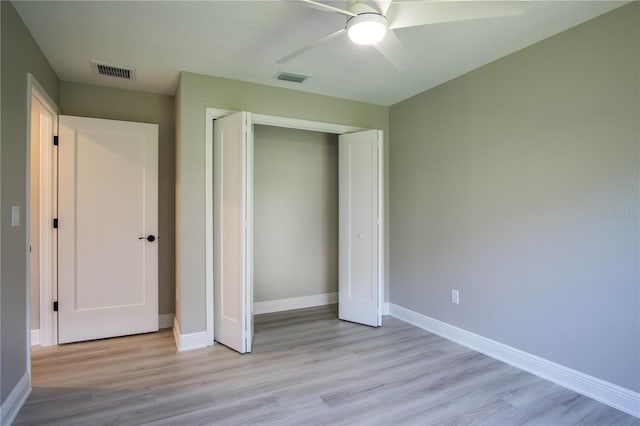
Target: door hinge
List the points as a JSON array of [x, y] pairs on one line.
[[55, 223], [55, 306], [55, 140]]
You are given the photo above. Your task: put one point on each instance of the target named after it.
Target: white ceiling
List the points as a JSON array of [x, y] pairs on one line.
[[243, 40]]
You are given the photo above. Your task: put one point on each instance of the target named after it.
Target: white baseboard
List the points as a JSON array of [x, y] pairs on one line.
[[385, 308], [294, 303], [189, 341], [35, 337], [15, 400], [165, 321], [608, 393]]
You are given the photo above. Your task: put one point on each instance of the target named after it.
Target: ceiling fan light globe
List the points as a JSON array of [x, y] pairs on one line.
[[367, 28]]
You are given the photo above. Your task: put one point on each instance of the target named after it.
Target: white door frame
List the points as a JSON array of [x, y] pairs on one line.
[[292, 123], [48, 208]]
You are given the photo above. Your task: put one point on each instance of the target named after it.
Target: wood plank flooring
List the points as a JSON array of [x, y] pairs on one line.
[[307, 368]]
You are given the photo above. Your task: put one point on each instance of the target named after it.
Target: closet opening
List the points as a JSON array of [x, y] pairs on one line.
[[296, 228], [294, 220]]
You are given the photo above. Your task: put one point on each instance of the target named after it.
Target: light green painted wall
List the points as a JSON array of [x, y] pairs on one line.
[[118, 104], [195, 93], [295, 249], [20, 55], [518, 184]]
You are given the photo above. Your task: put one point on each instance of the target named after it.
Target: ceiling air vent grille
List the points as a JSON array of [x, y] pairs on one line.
[[290, 76], [107, 70]]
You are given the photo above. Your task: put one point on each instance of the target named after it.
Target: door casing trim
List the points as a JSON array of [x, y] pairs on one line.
[[48, 208]]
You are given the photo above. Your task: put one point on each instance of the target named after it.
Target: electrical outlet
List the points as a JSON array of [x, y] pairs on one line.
[[455, 296]]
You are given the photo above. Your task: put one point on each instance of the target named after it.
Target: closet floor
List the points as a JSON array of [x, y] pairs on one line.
[[307, 367]]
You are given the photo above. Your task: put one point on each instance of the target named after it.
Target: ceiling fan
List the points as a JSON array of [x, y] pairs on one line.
[[373, 22]]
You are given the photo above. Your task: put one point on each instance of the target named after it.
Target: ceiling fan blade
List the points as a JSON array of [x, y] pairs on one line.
[[302, 50], [391, 49], [404, 14], [383, 5], [327, 8]]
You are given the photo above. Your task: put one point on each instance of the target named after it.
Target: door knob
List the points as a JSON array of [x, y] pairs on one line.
[[150, 238]]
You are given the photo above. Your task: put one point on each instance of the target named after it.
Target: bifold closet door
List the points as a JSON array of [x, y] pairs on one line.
[[360, 224], [232, 224]]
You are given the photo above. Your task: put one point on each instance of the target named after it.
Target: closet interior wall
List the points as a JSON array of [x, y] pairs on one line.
[[295, 214]]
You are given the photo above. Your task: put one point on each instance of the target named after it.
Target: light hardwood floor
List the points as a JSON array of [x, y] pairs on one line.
[[307, 367]]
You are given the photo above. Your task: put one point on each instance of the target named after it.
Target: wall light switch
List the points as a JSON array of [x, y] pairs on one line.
[[15, 216], [455, 296]]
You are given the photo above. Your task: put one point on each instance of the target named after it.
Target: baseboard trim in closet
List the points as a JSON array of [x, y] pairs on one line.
[[294, 303]]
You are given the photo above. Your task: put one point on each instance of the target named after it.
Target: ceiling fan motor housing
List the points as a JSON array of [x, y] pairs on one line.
[[368, 26]]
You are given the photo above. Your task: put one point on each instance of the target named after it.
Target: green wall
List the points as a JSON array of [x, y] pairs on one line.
[[518, 184], [295, 243], [20, 55], [128, 105], [195, 93]]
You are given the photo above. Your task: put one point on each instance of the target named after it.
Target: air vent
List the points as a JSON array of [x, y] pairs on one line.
[[108, 70], [290, 76]]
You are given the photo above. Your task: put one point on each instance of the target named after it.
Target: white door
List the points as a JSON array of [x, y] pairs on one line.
[[360, 247], [107, 229], [232, 231]]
